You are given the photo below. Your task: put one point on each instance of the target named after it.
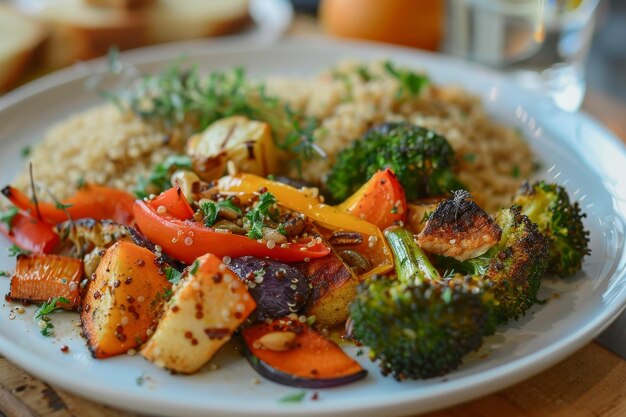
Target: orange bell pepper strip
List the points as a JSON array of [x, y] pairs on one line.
[[328, 217], [90, 201], [30, 234], [186, 240], [380, 200]]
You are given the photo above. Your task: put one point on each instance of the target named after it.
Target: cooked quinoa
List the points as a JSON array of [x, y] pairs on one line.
[[104, 146]]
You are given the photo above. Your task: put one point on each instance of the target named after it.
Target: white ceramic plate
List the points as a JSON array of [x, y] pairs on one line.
[[574, 148]]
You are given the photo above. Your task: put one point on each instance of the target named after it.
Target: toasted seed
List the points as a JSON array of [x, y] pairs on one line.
[[228, 213], [277, 341], [273, 234], [355, 260], [345, 238], [228, 225]]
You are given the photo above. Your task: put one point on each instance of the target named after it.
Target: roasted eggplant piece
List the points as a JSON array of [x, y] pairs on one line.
[[277, 288]]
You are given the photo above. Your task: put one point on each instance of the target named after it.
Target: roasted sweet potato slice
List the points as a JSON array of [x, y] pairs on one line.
[[123, 300], [40, 277], [208, 305], [290, 353]]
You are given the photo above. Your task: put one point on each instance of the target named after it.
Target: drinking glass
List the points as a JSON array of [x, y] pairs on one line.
[[541, 44]]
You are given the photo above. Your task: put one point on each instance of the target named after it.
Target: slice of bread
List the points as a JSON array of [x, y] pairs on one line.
[[120, 4], [82, 31], [20, 37]]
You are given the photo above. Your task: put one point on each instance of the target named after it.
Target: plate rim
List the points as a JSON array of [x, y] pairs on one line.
[[496, 378]]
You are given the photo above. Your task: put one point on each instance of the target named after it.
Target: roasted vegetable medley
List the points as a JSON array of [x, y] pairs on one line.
[[213, 247]]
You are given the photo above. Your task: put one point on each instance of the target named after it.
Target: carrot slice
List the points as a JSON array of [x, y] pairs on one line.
[[309, 360], [39, 278]]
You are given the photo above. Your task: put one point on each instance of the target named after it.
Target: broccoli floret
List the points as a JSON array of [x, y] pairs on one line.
[[419, 325], [549, 206], [512, 268], [423, 161]]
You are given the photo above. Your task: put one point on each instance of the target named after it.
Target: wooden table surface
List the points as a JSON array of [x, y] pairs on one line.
[[591, 382]]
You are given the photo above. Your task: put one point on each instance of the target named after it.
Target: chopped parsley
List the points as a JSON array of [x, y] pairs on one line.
[[80, 183], [194, 267], [140, 380], [26, 150], [7, 216], [46, 308], [159, 178], [470, 157], [295, 397], [411, 83], [62, 206], [50, 306], [15, 250], [257, 215], [394, 210], [172, 275], [211, 209], [364, 73], [515, 171], [5, 274]]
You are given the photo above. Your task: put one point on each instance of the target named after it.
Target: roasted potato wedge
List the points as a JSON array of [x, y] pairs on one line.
[[123, 300], [333, 287], [248, 143], [207, 307]]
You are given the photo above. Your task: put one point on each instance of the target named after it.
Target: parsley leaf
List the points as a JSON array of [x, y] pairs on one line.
[[50, 306], [256, 216], [410, 82], [15, 250], [172, 275], [159, 178], [26, 150], [7, 216], [5, 274], [211, 209], [62, 206], [194, 267], [515, 171], [295, 397]]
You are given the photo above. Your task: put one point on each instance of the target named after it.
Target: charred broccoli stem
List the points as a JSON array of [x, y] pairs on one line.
[[418, 325], [423, 161], [549, 206], [512, 268]]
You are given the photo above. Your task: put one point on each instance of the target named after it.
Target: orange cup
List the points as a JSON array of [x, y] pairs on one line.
[[415, 23]]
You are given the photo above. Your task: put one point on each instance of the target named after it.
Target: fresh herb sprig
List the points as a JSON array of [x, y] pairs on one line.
[[7, 217], [15, 250], [172, 275], [159, 178], [49, 307], [211, 209], [411, 83], [176, 95], [257, 215]]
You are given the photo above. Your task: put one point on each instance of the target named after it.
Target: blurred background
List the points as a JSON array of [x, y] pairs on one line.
[[562, 48]]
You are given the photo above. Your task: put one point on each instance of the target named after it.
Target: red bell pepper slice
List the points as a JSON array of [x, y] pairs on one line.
[[187, 240], [174, 203], [90, 201], [380, 200], [30, 234]]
